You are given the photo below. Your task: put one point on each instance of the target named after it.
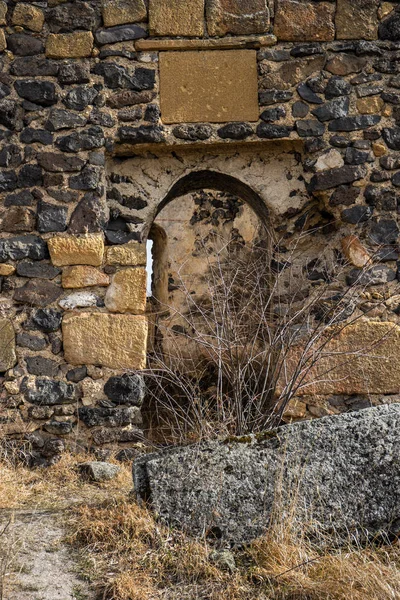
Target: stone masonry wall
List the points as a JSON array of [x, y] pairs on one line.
[[87, 84]]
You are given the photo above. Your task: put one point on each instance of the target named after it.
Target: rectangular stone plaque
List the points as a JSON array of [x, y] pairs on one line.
[[216, 86]]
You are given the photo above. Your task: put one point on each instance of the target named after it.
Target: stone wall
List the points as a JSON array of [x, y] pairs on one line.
[[106, 106]]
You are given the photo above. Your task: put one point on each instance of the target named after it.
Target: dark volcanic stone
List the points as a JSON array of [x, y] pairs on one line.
[[273, 114], [126, 389], [80, 97], [357, 157], [389, 29], [299, 109], [191, 133], [111, 417], [77, 375], [21, 44], [391, 135], [396, 179], [32, 136], [37, 293], [5, 90], [116, 76], [306, 50], [10, 114], [269, 131], [335, 177], [376, 275], [274, 97], [152, 113], [344, 195], [71, 16], [18, 218], [49, 392], [39, 365], [39, 270], [145, 134], [83, 140], [121, 33], [356, 214], [333, 110], [390, 162], [59, 427], [39, 92], [34, 66], [51, 217], [310, 128], [31, 342], [59, 163], [104, 119], [74, 72], [8, 181], [47, 319], [354, 123], [337, 86], [117, 435], [129, 98], [120, 237], [306, 93], [235, 131], [63, 119], [30, 176], [384, 231], [88, 179], [23, 246], [24, 198], [89, 216], [10, 156]]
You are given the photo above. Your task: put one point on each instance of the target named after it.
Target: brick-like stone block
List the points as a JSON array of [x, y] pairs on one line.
[[132, 254], [8, 357], [73, 250], [3, 43], [299, 21], [127, 292], [239, 18], [362, 357], [28, 16], [3, 13], [214, 86], [115, 341], [176, 18], [357, 20], [81, 276], [70, 45], [119, 12]]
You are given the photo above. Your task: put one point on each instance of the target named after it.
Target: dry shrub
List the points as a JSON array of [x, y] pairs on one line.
[[142, 560]]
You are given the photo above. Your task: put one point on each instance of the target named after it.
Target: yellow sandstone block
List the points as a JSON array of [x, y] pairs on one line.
[[127, 255], [82, 276], [69, 45], [73, 250], [127, 292]]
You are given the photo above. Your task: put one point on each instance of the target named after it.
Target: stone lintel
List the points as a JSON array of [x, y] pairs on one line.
[[231, 43]]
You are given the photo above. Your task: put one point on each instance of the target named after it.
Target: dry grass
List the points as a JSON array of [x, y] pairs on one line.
[[141, 560]]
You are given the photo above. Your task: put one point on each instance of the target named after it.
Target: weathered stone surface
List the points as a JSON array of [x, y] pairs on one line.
[[74, 72], [63, 119], [132, 254], [23, 246], [39, 365], [334, 109], [235, 131], [59, 163], [31, 342], [175, 18], [370, 106], [335, 177], [384, 231], [33, 66], [304, 21], [376, 275], [73, 250], [389, 29], [114, 341], [6, 270], [8, 357], [80, 97], [41, 270], [80, 300], [126, 389], [119, 12], [51, 217], [39, 92], [98, 471], [345, 64], [310, 128], [47, 320], [24, 45], [82, 276], [28, 16], [354, 123], [121, 33], [110, 417], [355, 252], [3, 13], [18, 218], [129, 98], [356, 214], [231, 487], [214, 86], [37, 293], [145, 134], [391, 135], [88, 139], [238, 18], [90, 215], [48, 392], [70, 45], [59, 427], [357, 20], [127, 292], [70, 16]]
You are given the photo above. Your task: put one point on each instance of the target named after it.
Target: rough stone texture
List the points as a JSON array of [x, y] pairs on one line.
[[119, 12], [360, 357], [208, 86], [28, 16], [71, 250], [37, 293], [114, 341], [337, 472], [355, 20], [304, 21], [81, 276], [238, 18], [127, 389], [70, 45], [176, 18], [127, 292], [98, 471], [132, 254], [8, 357], [355, 252]]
